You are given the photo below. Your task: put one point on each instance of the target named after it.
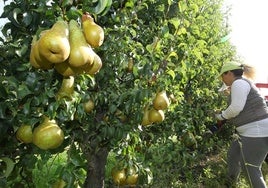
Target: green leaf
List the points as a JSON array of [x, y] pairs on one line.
[[194, 8], [80, 173], [22, 51], [68, 176], [182, 6], [181, 31], [4, 126], [101, 6], [225, 38], [175, 22], [2, 110], [27, 108], [171, 73], [3, 92], [165, 31], [9, 166], [67, 3], [108, 6], [154, 46], [23, 91], [129, 4], [173, 54], [111, 131], [76, 159], [13, 16], [27, 18]]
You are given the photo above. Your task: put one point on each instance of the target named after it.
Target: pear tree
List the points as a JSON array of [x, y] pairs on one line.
[[106, 77]]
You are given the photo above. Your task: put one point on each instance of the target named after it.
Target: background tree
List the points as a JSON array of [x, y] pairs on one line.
[[149, 46]]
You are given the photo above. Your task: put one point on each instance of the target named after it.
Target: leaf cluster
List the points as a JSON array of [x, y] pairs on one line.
[[174, 46]]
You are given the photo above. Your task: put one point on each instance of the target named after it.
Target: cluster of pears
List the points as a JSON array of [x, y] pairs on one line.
[[47, 135], [156, 113], [68, 47], [124, 176]]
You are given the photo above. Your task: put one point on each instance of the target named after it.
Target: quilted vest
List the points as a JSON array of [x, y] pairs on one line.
[[255, 108]]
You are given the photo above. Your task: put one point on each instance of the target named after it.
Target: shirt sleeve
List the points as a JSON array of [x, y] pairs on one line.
[[239, 93]]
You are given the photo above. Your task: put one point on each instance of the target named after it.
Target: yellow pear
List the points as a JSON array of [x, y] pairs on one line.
[[65, 69], [60, 183], [161, 101], [88, 106], [67, 88], [145, 118], [156, 116], [81, 52], [94, 33], [35, 59], [121, 116], [25, 133], [130, 65], [95, 67], [48, 135], [54, 43]]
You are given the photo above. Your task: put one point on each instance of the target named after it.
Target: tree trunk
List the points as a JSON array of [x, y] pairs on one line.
[[96, 168]]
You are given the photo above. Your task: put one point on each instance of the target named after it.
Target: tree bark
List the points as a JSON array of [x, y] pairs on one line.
[[96, 168]]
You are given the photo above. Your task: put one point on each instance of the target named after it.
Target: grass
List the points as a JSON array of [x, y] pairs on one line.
[[45, 174], [208, 173], [215, 169]]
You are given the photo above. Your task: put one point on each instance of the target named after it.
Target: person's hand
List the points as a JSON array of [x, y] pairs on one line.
[[219, 117], [216, 126]]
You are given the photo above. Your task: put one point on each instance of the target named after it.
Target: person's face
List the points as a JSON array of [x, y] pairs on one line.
[[228, 78]]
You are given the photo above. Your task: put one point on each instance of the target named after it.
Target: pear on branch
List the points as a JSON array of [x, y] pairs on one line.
[[130, 65], [65, 69], [94, 33], [88, 106], [67, 88], [48, 135], [161, 101], [145, 118], [54, 43], [156, 116], [95, 67], [81, 52], [36, 60]]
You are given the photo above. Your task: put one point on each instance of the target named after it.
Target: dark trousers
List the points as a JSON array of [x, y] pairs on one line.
[[247, 154]]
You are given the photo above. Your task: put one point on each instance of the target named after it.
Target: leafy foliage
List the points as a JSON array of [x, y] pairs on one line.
[[173, 46]]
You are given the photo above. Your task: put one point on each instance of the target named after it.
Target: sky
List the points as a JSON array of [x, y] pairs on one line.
[[249, 33]]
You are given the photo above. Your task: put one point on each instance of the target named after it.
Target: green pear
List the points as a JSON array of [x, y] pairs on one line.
[[81, 52], [36, 60], [161, 101], [67, 88], [65, 69], [48, 135], [95, 67], [54, 43], [33, 60], [88, 106], [145, 118], [60, 183], [94, 33], [156, 116]]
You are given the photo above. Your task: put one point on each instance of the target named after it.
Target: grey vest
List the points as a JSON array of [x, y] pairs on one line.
[[255, 108]]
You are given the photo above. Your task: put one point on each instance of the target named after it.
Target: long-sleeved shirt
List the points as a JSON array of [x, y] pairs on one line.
[[239, 93], [240, 90]]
